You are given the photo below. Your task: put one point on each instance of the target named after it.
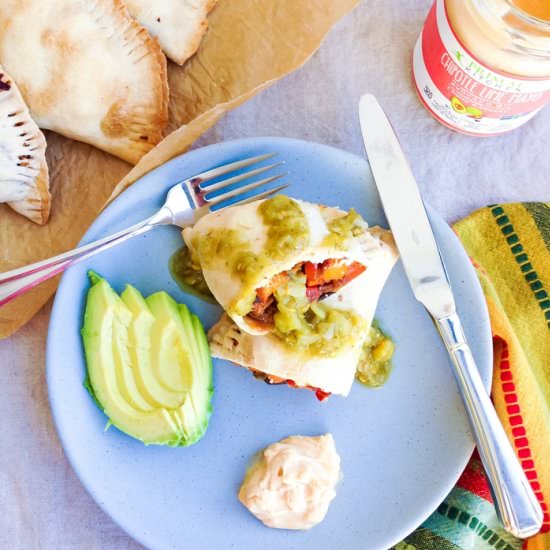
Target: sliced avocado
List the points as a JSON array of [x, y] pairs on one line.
[[188, 343], [124, 369], [200, 355], [170, 354], [122, 340], [140, 348], [100, 327]]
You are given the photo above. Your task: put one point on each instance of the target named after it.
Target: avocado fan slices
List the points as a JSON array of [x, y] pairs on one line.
[[148, 364]]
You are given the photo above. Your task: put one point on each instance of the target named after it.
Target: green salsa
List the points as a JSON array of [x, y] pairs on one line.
[[313, 329], [225, 245], [188, 275], [344, 228], [375, 363], [288, 229]]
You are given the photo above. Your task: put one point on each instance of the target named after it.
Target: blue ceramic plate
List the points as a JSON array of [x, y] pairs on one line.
[[402, 446]]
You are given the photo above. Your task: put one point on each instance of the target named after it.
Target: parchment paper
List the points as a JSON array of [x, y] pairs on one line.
[[250, 44]]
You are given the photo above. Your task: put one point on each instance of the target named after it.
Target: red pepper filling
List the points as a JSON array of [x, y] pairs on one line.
[[272, 379], [322, 280]]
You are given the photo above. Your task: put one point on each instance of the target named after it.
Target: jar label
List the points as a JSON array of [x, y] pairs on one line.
[[463, 93]]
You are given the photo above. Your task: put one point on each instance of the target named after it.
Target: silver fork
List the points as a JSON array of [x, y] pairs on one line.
[[186, 202]]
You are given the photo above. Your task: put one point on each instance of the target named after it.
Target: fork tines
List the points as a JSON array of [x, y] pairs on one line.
[[226, 189]]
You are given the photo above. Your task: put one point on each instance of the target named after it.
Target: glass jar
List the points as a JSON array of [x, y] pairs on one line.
[[482, 67]]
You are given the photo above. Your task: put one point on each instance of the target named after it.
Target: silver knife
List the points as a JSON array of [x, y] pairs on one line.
[[516, 505]]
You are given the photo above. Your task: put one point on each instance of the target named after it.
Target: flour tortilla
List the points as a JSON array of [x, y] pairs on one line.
[[87, 70], [24, 179]]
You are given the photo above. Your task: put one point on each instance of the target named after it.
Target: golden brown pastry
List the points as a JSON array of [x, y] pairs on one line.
[[87, 70], [179, 25]]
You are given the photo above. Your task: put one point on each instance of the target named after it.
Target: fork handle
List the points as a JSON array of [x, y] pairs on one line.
[[515, 503], [18, 281]]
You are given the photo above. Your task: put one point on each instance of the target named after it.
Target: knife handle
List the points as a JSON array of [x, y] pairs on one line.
[[515, 503]]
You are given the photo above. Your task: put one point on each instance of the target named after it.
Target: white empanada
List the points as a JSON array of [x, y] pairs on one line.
[[221, 237], [24, 181], [87, 70], [267, 354], [317, 346], [179, 25], [36, 207]]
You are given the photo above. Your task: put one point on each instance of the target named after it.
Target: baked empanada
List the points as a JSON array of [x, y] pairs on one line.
[[87, 70], [24, 181], [329, 368], [267, 357], [179, 25], [251, 252], [36, 207], [299, 283]]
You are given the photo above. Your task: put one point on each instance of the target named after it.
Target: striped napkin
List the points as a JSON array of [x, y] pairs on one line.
[[509, 245]]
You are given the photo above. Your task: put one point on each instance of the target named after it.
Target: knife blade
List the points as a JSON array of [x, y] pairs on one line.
[[515, 502], [405, 211]]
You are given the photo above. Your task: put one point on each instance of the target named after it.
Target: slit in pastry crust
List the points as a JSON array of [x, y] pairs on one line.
[[24, 179]]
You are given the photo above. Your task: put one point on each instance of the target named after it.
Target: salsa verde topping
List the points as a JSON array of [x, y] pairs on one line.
[[375, 363], [288, 229], [188, 274], [313, 328], [344, 228]]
